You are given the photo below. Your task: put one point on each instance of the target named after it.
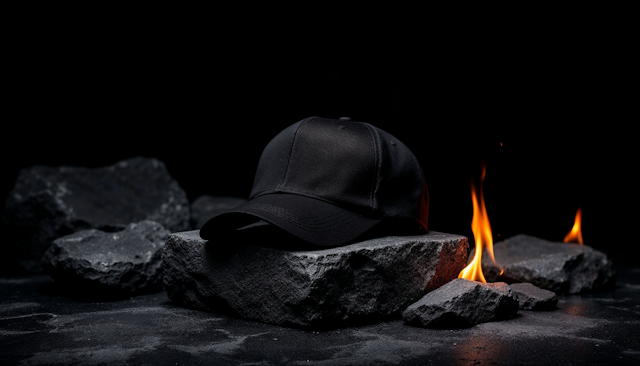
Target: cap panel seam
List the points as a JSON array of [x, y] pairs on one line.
[[418, 169], [423, 180], [295, 138], [376, 151]]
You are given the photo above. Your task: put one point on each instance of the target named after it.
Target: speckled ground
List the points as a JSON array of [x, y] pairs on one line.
[[38, 326]]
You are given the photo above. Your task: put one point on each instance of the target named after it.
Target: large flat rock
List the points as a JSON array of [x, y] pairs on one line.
[[47, 203], [363, 282], [563, 268]]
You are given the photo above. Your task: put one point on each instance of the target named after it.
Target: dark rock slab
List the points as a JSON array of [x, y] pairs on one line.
[[462, 303], [362, 282], [532, 297], [94, 263], [563, 268], [49, 202], [205, 207]]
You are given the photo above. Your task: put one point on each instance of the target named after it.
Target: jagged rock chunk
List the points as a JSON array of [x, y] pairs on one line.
[[205, 207], [462, 303], [362, 282], [563, 268], [49, 202], [94, 263], [532, 297]]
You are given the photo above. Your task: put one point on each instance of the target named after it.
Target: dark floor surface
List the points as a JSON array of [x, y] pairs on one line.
[[39, 327]]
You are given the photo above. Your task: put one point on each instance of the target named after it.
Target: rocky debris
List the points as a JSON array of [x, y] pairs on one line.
[[205, 207], [94, 263], [49, 202], [563, 268], [531, 297], [462, 303], [367, 281]]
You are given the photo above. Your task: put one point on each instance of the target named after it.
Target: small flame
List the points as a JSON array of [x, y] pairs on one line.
[[481, 233], [575, 235]]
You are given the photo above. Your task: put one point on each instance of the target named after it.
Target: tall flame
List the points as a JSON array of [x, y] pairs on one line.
[[575, 235], [481, 233]]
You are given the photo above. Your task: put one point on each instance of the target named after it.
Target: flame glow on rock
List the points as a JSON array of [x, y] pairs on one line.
[[575, 235], [481, 233]]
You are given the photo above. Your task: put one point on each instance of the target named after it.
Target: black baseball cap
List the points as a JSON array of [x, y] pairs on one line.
[[329, 181]]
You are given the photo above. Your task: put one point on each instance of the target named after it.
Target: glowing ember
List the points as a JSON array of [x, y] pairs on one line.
[[575, 235], [481, 233]]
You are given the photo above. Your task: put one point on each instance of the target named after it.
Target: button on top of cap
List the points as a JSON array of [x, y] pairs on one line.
[[344, 119]]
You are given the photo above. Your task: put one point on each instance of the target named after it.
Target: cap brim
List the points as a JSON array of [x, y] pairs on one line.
[[309, 219]]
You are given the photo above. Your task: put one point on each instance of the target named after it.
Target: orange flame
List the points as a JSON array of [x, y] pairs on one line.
[[575, 235], [481, 233]]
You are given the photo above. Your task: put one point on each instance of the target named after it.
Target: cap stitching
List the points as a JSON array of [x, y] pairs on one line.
[[333, 214], [286, 215], [374, 184], [309, 222], [305, 194], [295, 138]]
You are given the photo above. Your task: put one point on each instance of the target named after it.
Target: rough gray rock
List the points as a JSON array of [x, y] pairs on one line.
[[362, 282], [532, 297], [563, 268], [205, 207], [462, 303], [49, 202], [97, 263]]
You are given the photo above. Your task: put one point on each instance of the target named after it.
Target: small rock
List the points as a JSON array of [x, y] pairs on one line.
[[313, 288], [94, 263], [205, 207], [47, 203], [462, 303], [532, 297], [563, 268]]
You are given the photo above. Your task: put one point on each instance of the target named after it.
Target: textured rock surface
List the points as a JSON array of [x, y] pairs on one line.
[[49, 202], [362, 282], [96, 263], [532, 297], [205, 207], [39, 328], [462, 303], [558, 267]]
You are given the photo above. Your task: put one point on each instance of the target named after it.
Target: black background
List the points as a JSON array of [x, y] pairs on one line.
[[550, 106]]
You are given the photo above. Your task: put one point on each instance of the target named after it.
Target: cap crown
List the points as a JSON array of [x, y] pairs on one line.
[[350, 164]]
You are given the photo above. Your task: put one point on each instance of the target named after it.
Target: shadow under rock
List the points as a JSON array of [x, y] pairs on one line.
[[87, 292]]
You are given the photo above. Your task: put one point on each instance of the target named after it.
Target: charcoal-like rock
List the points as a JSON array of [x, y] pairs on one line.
[[563, 268], [205, 207], [49, 202], [97, 263], [363, 282], [462, 303], [532, 297]]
